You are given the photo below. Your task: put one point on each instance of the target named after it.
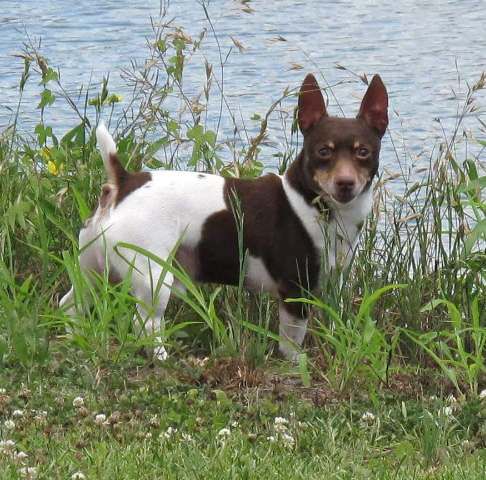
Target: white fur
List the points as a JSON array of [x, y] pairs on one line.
[[291, 331], [107, 146], [308, 215], [258, 278]]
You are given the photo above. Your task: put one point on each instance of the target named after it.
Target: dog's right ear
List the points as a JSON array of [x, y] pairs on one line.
[[311, 104]]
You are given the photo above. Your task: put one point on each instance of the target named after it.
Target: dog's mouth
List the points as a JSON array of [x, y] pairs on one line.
[[344, 197], [338, 198]]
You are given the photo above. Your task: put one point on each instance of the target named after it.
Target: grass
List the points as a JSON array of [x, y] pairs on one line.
[[146, 423], [389, 382]]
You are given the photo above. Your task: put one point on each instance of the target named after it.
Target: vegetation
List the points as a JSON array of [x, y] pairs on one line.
[[391, 382]]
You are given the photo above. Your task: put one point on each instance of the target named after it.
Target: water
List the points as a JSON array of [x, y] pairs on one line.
[[424, 53]]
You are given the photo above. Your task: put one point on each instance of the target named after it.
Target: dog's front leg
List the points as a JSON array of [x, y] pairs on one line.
[[292, 328]]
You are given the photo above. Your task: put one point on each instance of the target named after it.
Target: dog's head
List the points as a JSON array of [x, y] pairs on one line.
[[341, 154]]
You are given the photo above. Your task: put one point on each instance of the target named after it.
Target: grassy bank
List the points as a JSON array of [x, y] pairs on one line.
[[387, 386]]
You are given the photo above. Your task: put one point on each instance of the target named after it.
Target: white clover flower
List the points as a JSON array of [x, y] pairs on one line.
[[78, 402], [288, 440], [148, 435], [482, 395], [3, 391], [20, 456], [28, 472], [446, 411], [9, 424], [17, 413], [224, 432], [100, 418], [271, 439], [78, 476], [235, 424], [280, 424], [368, 417], [6, 446], [186, 437], [168, 433]]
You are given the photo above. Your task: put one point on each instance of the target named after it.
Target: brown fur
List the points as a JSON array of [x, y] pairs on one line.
[[271, 232], [126, 182]]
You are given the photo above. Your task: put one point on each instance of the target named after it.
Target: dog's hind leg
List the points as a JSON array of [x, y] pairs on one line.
[[153, 292], [68, 300], [88, 261]]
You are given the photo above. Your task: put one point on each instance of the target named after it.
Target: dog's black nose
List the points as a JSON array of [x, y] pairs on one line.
[[344, 189], [345, 183]]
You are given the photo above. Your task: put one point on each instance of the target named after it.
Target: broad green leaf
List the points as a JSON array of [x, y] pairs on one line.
[[47, 98]]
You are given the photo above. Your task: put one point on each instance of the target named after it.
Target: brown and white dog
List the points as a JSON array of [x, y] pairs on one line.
[[290, 222]]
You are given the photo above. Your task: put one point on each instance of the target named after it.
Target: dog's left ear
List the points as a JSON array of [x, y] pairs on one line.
[[374, 106], [311, 104]]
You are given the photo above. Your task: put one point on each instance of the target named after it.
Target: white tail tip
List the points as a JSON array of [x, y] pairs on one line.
[[106, 144]]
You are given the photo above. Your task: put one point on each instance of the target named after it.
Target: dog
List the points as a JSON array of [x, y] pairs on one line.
[[290, 225]]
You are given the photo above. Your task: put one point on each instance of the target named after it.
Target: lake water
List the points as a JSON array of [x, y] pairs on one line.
[[426, 52]]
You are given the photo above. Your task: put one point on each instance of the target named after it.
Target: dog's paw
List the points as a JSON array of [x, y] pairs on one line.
[[289, 352], [160, 353]]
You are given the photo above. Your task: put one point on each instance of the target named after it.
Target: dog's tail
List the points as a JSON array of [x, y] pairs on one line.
[[114, 169]]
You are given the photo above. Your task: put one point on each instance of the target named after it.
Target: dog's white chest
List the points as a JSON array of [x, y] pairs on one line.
[[258, 278], [344, 229], [336, 238]]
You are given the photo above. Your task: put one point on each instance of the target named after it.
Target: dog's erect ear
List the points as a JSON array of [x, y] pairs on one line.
[[311, 103], [374, 106]]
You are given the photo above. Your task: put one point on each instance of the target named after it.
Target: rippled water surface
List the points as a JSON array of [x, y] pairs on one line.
[[425, 52]]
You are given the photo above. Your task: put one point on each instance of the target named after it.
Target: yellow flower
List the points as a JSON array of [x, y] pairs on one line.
[[52, 167], [45, 153]]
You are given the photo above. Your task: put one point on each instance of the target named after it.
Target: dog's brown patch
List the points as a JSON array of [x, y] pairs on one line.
[[106, 199], [188, 260], [272, 232], [126, 182], [107, 195], [133, 181], [113, 276]]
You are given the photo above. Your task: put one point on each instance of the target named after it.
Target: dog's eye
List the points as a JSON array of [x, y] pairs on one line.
[[362, 152], [325, 152]]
